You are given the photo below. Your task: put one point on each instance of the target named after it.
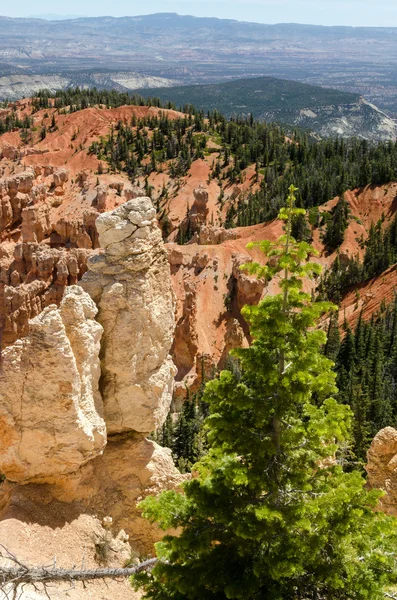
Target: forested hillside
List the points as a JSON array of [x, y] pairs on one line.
[[258, 95], [250, 166], [324, 111], [269, 240]]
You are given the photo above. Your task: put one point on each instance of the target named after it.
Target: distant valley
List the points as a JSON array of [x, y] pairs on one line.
[[188, 50]]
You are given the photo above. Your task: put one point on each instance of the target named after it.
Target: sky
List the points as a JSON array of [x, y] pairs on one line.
[[380, 13]]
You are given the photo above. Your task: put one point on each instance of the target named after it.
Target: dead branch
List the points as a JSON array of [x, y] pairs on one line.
[[19, 574]]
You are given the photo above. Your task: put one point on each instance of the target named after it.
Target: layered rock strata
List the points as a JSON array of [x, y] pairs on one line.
[[47, 232], [32, 277]]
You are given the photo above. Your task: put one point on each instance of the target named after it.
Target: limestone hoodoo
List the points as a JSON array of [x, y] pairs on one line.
[[130, 283], [382, 468], [86, 385], [50, 407]]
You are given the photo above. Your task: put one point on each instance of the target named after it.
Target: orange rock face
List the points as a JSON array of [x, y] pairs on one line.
[[50, 197], [32, 278], [51, 193]]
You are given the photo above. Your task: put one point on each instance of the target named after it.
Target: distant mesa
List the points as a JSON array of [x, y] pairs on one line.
[[55, 17]]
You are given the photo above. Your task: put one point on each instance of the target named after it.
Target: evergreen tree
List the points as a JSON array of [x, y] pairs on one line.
[[269, 515], [366, 367], [332, 345], [337, 224], [300, 228], [345, 365]]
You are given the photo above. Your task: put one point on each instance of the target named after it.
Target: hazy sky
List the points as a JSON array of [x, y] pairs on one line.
[[322, 12]]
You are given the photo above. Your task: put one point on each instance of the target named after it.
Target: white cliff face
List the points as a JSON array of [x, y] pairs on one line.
[[360, 119], [131, 285], [50, 408]]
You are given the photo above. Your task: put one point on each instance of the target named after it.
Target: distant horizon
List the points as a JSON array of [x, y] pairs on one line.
[[54, 17], [60, 17], [328, 13]]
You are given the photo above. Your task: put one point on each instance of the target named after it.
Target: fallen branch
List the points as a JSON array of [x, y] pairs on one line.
[[20, 574]]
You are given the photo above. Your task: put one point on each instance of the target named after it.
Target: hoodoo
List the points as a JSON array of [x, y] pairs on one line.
[[130, 283], [80, 393]]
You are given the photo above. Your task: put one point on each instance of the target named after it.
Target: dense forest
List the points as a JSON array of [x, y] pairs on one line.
[[272, 512], [267, 514], [366, 367], [258, 95], [380, 252], [320, 169]]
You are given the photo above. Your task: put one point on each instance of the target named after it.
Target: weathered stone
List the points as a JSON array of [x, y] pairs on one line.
[[249, 288], [102, 192], [132, 192], [10, 152], [130, 283], [382, 468], [212, 235], [50, 408], [130, 468], [61, 176], [42, 274]]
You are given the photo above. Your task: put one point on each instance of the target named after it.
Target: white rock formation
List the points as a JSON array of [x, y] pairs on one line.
[[52, 431], [131, 285], [382, 468], [50, 408]]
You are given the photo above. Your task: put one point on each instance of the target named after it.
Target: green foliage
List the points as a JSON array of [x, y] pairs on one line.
[[381, 248], [332, 344], [186, 437], [11, 122], [271, 515], [130, 147], [257, 95], [336, 225], [380, 253], [321, 169], [74, 99], [366, 367]]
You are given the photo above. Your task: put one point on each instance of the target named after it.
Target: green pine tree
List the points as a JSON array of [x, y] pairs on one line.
[[271, 515], [332, 345], [337, 224]]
